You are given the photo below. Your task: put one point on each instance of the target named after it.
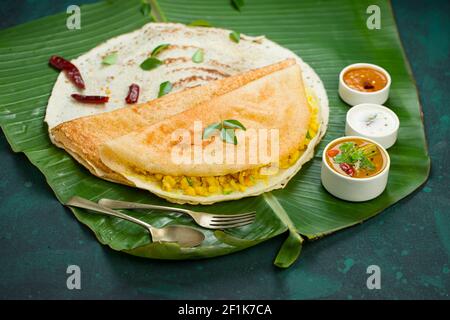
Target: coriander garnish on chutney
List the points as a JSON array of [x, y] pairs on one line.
[[355, 158]]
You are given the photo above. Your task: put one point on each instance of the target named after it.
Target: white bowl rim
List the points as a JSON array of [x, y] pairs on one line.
[[364, 64], [392, 113], [386, 167]]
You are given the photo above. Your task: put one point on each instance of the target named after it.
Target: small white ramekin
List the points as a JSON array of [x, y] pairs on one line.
[[354, 97], [386, 139], [354, 189]]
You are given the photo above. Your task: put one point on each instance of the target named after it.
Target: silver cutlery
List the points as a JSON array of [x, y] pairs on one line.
[[206, 220], [184, 236]]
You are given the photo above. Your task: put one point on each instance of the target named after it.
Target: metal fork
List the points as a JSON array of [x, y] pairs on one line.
[[206, 220], [183, 235]]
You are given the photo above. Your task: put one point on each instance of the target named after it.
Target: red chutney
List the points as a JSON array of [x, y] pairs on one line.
[[365, 79]]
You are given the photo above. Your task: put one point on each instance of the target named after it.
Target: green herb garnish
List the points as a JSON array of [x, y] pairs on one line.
[[151, 63], [237, 4], [198, 56], [159, 49], [110, 59], [308, 135], [233, 124], [228, 135], [200, 23], [235, 36], [209, 130], [164, 88], [356, 156], [227, 130]]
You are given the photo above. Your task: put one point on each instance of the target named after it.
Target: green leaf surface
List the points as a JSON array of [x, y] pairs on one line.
[[146, 8], [233, 124], [211, 129], [228, 135], [235, 36], [110, 59], [164, 88], [289, 251], [159, 49], [200, 23], [151, 63], [328, 37], [197, 57], [237, 4]]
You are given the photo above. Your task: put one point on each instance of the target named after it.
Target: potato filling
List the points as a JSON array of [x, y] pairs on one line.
[[240, 181]]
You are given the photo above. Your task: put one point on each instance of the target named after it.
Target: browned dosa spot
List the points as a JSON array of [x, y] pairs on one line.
[[220, 64], [193, 79], [183, 47], [207, 70], [173, 60]]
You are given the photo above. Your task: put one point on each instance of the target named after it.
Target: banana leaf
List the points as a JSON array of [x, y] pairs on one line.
[[327, 35]]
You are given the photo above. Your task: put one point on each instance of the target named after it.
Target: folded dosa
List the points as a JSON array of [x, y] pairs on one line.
[[83, 137], [276, 101]]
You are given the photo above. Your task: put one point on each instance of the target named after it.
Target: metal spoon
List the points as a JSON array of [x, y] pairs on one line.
[[184, 236]]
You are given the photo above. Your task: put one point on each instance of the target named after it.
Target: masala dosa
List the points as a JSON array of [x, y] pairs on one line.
[[275, 101], [81, 129], [82, 137]]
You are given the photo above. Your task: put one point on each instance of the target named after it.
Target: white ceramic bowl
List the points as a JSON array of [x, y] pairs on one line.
[[354, 189], [386, 137], [354, 97]]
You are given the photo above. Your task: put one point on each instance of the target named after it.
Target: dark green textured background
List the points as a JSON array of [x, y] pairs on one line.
[[410, 241]]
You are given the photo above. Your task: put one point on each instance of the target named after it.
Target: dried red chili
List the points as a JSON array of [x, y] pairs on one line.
[[71, 70], [133, 94], [90, 99], [348, 169]]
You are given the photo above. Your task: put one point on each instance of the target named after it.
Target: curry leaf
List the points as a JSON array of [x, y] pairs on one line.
[[228, 136], [198, 56], [159, 49], [164, 88], [209, 130], [233, 124], [110, 59], [227, 130], [235, 36], [150, 63]]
